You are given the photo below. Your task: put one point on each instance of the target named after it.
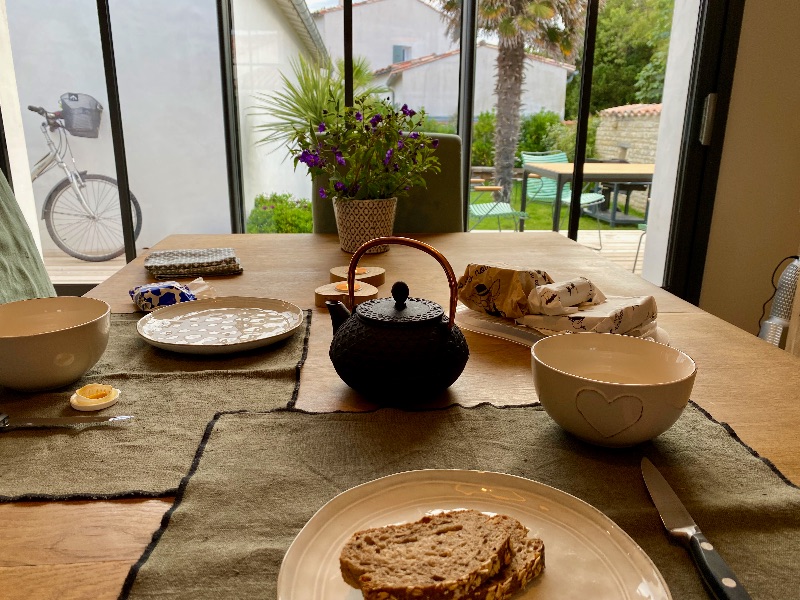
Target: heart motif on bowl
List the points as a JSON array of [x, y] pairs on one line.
[[608, 417]]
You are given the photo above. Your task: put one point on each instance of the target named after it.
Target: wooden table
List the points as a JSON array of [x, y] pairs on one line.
[[85, 549], [592, 173]]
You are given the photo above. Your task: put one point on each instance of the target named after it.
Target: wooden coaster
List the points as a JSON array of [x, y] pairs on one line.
[[371, 275], [338, 291]]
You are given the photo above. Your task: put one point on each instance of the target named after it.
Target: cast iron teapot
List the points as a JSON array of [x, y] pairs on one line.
[[397, 348]]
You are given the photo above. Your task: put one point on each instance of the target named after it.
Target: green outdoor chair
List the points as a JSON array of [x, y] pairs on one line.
[[543, 189], [22, 272], [436, 208], [480, 208]]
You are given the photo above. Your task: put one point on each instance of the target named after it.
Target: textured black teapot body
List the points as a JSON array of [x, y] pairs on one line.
[[397, 349]]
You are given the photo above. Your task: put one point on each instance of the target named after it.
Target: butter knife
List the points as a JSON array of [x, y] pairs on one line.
[[7, 422], [717, 575]]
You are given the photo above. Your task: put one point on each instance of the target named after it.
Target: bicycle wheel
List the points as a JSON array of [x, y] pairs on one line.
[[93, 237]]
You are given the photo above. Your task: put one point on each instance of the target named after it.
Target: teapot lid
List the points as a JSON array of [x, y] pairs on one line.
[[400, 309]]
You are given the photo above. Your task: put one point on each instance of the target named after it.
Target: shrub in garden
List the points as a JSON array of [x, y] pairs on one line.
[[280, 213]]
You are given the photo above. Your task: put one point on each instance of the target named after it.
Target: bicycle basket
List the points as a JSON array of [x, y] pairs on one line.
[[81, 114]]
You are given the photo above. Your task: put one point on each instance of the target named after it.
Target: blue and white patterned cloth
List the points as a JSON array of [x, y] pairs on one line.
[[151, 296]]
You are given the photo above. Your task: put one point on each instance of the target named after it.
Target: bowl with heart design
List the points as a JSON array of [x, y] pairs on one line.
[[611, 390]]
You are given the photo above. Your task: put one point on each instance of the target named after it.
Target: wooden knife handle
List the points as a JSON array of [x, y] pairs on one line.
[[717, 575]]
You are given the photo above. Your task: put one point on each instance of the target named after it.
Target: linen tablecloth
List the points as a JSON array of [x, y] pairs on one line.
[[172, 398], [257, 479]]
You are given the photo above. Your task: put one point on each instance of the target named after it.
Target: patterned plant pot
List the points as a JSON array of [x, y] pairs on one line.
[[360, 221]]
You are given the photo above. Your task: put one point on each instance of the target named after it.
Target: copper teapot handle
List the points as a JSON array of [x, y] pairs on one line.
[[404, 241]]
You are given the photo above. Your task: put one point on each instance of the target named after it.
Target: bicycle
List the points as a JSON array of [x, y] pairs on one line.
[[82, 211]]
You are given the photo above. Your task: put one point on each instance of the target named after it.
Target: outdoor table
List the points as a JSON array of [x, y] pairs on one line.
[[610, 172], [85, 548]]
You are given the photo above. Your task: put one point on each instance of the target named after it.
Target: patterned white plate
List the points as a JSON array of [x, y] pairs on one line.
[[586, 554], [220, 325]]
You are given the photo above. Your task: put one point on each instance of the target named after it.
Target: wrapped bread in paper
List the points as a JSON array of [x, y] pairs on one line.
[[622, 315], [498, 289], [564, 297]]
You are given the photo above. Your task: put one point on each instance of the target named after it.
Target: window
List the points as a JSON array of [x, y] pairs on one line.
[[401, 54]]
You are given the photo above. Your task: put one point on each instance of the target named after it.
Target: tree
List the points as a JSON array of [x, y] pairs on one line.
[[630, 55], [550, 27], [305, 97]]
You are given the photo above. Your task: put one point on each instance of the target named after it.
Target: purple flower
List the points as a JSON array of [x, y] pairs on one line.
[[339, 186], [396, 167], [339, 158], [388, 156], [400, 144], [435, 143], [359, 116], [311, 159], [407, 111], [323, 193], [375, 120], [321, 127], [414, 135]]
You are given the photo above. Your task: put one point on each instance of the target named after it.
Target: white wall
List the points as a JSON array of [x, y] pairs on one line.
[[168, 70], [670, 133], [379, 25], [264, 45], [756, 220], [434, 85], [14, 132]]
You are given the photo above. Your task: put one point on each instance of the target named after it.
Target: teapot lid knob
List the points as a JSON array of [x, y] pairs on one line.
[[400, 294]]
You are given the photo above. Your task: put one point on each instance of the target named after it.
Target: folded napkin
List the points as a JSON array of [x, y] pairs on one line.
[[563, 298], [498, 289], [166, 264], [624, 315]]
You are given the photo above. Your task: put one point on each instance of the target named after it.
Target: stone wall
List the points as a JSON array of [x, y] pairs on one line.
[[629, 133]]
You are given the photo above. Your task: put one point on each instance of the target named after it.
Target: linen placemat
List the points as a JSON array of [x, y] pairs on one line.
[[258, 478], [172, 398]]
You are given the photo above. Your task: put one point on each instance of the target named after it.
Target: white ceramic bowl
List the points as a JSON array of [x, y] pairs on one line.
[[611, 390], [47, 343]]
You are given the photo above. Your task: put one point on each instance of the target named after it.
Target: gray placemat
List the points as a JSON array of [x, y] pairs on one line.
[[257, 479], [172, 397]]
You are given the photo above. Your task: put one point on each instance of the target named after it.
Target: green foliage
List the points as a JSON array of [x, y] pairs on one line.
[[483, 139], [433, 126], [630, 55], [533, 131], [561, 136], [280, 213], [366, 151], [312, 90]]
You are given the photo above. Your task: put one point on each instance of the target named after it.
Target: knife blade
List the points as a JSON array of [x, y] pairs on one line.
[[717, 575], [7, 422]]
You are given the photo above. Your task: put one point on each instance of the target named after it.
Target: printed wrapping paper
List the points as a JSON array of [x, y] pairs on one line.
[[498, 289], [166, 264], [631, 316], [565, 297]]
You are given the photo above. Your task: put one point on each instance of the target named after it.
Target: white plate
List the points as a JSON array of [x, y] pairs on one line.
[[586, 554], [220, 325], [472, 320]]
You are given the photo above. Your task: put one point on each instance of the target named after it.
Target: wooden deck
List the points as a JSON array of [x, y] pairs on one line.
[[618, 246]]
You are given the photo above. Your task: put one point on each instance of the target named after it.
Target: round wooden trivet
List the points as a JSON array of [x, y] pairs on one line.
[[364, 291], [371, 275]]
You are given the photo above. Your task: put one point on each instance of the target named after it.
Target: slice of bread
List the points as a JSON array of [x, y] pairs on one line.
[[440, 557], [526, 564]]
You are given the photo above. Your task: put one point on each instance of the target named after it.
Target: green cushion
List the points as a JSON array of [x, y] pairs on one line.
[[22, 272], [435, 209]]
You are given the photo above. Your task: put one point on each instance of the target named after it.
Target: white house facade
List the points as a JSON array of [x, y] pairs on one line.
[[407, 46]]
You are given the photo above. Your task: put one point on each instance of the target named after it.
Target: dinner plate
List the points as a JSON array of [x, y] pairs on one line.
[[586, 554], [220, 325], [477, 322]]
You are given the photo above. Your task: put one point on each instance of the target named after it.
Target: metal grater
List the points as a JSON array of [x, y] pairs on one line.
[[775, 328]]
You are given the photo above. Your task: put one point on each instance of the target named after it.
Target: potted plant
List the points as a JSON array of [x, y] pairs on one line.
[[366, 156]]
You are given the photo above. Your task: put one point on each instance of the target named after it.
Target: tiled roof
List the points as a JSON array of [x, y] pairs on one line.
[[330, 9], [423, 60], [632, 110]]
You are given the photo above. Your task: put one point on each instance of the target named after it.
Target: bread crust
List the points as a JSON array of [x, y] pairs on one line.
[[440, 557]]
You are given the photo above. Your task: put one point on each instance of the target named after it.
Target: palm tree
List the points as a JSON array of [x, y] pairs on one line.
[[550, 27], [305, 97]]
